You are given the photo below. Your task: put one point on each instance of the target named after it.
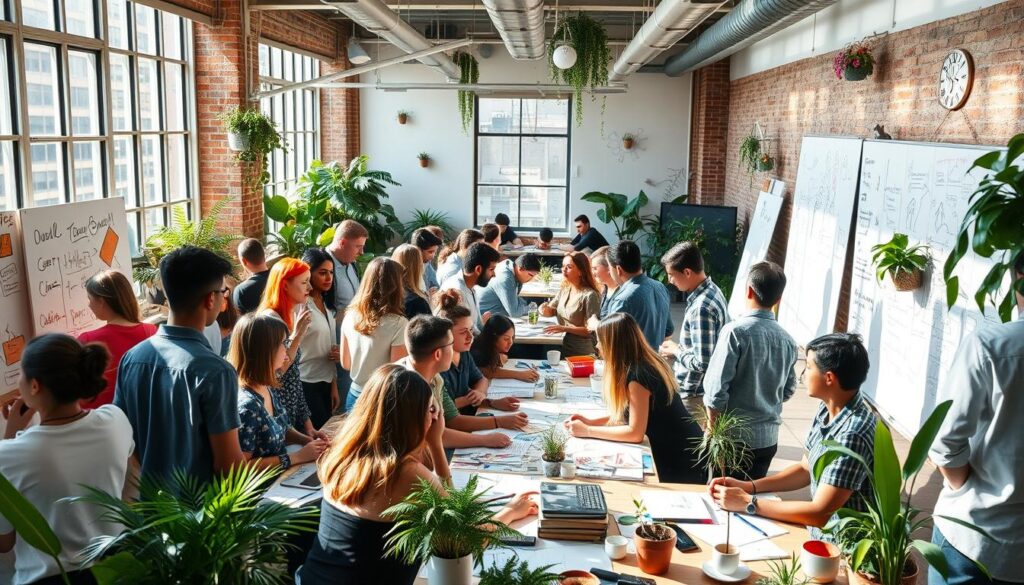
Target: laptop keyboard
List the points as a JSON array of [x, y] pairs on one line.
[[590, 496]]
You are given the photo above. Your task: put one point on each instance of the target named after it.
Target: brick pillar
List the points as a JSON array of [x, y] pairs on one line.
[[223, 77], [709, 133], [339, 113]]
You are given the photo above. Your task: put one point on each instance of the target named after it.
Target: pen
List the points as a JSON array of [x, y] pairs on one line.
[[752, 525]]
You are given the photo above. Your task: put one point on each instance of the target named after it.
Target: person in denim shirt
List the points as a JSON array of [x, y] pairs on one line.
[[501, 295], [638, 295]]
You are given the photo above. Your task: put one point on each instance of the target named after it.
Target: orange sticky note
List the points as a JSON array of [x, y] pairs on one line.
[[6, 247], [109, 247], [13, 348]]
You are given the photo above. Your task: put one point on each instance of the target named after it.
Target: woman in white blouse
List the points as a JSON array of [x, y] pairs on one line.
[[320, 351]]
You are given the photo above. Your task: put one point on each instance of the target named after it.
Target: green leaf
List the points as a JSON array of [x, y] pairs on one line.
[[923, 440], [1014, 148], [119, 568], [604, 217], [276, 208], [861, 551], [988, 160], [886, 476], [933, 554], [30, 525], [952, 290]]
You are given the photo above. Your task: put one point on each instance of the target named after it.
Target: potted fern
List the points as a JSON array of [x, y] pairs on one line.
[[424, 159], [552, 443], [516, 572], [448, 531], [654, 542], [903, 263]]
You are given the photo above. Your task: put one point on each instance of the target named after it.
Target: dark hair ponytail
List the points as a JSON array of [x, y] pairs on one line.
[[69, 370]]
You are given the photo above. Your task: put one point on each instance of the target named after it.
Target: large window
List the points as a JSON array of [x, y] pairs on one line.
[[107, 106], [522, 161], [296, 113]]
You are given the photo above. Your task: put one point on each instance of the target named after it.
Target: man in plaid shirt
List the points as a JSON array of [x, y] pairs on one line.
[[837, 364], [706, 313]]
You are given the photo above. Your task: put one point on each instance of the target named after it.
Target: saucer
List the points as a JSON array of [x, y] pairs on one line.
[[742, 572]]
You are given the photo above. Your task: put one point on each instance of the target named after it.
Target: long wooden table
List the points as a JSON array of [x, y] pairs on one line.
[[513, 252]]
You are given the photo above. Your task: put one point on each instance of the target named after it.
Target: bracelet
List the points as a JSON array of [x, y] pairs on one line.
[[495, 422], [286, 461], [753, 488]]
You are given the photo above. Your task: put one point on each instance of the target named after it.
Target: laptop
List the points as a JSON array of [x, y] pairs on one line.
[[306, 479], [572, 501]]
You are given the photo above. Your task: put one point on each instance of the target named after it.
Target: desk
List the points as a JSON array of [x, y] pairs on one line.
[[527, 334], [536, 288], [511, 252]]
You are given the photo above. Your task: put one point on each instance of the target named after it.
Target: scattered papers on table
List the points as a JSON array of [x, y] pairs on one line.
[[583, 396], [682, 507], [607, 459], [741, 533], [503, 388], [762, 550]]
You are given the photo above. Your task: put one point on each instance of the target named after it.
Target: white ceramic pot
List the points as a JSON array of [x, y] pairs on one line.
[[238, 142], [552, 468], [451, 571]]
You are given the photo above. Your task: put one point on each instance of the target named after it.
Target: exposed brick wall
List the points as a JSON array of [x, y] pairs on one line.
[[708, 130], [207, 7], [302, 29], [339, 118], [804, 97]]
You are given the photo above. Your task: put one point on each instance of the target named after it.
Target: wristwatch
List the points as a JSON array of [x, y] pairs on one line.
[[752, 506]]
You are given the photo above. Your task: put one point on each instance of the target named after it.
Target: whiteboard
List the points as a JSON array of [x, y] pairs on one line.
[[755, 249], [823, 200], [921, 190], [15, 326], [65, 245]]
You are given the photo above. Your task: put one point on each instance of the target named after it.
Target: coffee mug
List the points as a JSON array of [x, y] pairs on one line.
[[615, 546], [568, 470], [554, 356], [596, 383], [725, 559], [820, 561]]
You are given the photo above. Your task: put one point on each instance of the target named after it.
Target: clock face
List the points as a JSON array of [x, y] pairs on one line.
[[955, 79]]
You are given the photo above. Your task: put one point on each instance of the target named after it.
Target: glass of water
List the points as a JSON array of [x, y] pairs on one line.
[[550, 386]]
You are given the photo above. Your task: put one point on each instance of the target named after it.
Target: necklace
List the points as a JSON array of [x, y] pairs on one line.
[[69, 418]]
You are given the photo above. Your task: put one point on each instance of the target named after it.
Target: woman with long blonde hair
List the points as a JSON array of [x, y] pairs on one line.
[[641, 393], [373, 330], [376, 461], [576, 302], [411, 259]]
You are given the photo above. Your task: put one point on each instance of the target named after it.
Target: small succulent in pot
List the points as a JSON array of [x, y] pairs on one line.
[[628, 140], [424, 159]]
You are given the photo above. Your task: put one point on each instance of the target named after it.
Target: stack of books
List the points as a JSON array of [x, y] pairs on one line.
[[570, 511]]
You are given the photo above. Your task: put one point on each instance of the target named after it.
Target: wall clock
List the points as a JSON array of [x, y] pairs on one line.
[[955, 79]]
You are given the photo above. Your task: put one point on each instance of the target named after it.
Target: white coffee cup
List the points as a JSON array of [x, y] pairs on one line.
[[724, 559], [615, 546], [820, 561], [596, 383], [567, 470], [598, 367], [554, 356]]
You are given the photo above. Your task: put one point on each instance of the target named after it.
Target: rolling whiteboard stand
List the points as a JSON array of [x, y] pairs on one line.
[[15, 325], [823, 202], [921, 190], [65, 245], [759, 237]]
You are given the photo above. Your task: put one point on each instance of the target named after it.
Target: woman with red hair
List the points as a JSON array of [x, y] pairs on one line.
[[285, 298]]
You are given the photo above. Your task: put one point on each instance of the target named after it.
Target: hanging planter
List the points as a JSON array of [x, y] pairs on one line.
[[628, 140], [904, 263], [854, 62], [424, 159], [252, 135], [589, 41], [766, 162], [469, 74]]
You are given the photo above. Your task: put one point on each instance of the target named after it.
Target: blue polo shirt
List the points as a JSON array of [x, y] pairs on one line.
[[176, 392], [646, 300]]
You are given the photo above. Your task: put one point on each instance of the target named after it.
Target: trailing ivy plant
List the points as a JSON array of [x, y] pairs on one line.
[[261, 139], [469, 73], [750, 153], [589, 39]]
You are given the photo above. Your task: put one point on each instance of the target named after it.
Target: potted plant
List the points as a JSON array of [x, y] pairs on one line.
[[750, 154], [723, 448], [423, 218], [403, 117], [252, 135], [619, 211], [469, 73], [854, 62], [991, 228], [627, 141], [546, 274], [783, 572], [516, 572], [552, 442], [654, 542], [902, 262], [878, 542], [424, 159], [765, 162], [448, 531], [590, 42]]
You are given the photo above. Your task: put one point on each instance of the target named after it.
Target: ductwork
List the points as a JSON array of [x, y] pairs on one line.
[[376, 17], [669, 23], [520, 24], [749, 22]]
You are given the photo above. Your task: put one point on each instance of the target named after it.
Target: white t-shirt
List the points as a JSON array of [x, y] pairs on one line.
[[316, 365], [458, 282], [48, 463], [371, 352]]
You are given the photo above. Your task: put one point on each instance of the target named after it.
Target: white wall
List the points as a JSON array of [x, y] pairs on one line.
[[845, 21], [656, 107]]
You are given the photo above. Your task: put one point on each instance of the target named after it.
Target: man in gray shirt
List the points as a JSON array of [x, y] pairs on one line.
[[751, 372], [347, 246]]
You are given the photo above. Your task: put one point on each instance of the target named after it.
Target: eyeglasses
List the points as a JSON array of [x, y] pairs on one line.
[[224, 291]]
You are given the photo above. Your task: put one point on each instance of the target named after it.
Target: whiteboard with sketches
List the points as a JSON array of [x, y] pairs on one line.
[[823, 200], [64, 246], [755, 249], [921, 190], [15, 325]]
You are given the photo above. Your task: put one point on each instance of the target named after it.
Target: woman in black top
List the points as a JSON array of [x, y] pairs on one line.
[[411, 259], [641, 393]]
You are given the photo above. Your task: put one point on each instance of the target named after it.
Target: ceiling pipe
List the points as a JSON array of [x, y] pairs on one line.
[[749, 22], [520, 24], [671, 21], [479, 88], [376, 17]]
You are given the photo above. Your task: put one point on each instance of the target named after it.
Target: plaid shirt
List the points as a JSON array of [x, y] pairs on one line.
[[853, 428], [706, 313]]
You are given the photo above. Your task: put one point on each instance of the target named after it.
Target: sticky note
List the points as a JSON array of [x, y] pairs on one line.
[[109, 246], [13, 348], [6, 247]]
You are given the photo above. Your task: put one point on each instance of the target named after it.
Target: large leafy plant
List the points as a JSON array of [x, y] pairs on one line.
[[994, 228], [181, 531], [589, 39], [620, 211], [260, 137], [450, 525], [723, 449], [879, 540], [184, 232], [423, 218], [897, 255], [516, 572]]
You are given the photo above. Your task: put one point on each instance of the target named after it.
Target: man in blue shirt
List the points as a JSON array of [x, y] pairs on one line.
[[587, 238], [501, 296], [180, 396], [638, 295]]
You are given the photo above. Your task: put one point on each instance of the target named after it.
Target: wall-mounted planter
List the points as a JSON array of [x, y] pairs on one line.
[[238, 142], [628, 143], [403, 117], [424, 161]]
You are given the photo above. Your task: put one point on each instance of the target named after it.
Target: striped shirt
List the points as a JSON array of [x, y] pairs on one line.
[[706, 313]]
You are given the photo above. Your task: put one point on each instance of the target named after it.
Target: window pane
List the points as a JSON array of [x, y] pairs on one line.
[[80, 16], [8, 186], [47, 174], [120, 91], [134, 234], [498, 159], [117, 24], [491, 201], [545, 116], [174, 97], [88, 169], [544, 160], [149, 101], [154, 220], [264, 56], [172, 35], [177, 178], [152, 170], [499, 116], [145, 29], [542, 207], [124, 171], [6, 107], [39, 13], [85, 111], [179, 206], [43, 89]]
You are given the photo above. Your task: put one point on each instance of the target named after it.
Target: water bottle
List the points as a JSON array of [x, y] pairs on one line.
[[532, 314]]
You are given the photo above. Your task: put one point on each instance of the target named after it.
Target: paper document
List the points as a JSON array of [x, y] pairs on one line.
[[503, 388], [682, 507], [740, 534], [607, 459]]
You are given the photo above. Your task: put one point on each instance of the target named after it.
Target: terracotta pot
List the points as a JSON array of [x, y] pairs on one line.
[[424, 162], [627, 143], [862, 579], [403, 118], [907, 281], [654, 556]]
